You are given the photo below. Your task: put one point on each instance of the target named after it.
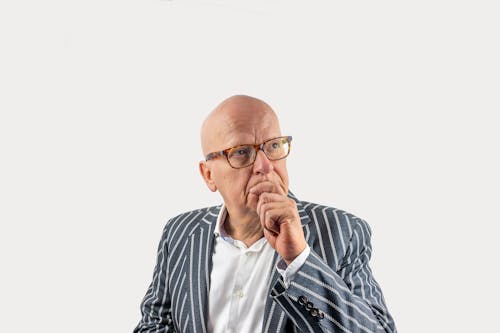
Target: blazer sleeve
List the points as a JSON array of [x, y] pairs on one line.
[[320, 299], [156, 305]]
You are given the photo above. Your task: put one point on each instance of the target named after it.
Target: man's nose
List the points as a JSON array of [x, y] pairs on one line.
[[262, 164]]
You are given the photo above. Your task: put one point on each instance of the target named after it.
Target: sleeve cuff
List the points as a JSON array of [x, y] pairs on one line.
[[288, 272]]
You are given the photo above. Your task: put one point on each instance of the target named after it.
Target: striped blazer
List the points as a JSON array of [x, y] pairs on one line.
[[334, 291]]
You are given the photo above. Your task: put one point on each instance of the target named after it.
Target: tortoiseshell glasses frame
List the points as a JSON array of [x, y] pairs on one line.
[[242, 156]]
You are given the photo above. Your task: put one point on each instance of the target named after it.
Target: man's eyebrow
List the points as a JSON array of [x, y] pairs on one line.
[[238, 143], [253, 144]]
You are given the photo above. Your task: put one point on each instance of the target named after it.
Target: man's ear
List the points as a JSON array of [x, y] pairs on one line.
[[206, 174]]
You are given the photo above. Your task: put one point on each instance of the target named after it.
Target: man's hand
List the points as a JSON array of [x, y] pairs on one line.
[[280, 220]]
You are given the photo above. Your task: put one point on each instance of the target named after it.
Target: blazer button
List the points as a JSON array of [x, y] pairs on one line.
[[309, 306], [314, 312], [321, 315], [302, 300]]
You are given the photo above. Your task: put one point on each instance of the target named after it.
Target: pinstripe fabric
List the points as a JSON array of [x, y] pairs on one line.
[[336, 277]]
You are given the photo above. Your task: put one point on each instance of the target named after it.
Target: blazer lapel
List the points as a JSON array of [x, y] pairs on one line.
[[304, 217], [272, 311], [199, 260]]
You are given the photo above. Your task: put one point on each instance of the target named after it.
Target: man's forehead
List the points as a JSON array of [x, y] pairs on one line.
[[239, 137], [238, 110], [244, 121], [229, 134]]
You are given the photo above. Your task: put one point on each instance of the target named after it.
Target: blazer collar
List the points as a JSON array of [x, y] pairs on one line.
[[199, 259], [304, 217]]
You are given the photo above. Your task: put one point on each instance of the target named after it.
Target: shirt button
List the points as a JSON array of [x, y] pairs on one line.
[[248, 254], [239, 293]]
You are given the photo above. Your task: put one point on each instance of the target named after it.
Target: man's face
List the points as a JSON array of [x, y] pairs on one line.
[[234, 185]]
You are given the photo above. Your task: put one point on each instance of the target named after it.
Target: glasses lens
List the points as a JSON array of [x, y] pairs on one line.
[[277, 148], [241, 156]]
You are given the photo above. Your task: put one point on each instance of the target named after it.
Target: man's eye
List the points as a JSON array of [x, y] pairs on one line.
[[242, 152], [276, 145]]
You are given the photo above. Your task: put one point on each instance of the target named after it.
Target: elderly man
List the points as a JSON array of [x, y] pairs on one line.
[[263, 261]]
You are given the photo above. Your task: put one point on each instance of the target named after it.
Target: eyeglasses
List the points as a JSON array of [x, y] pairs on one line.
[[244, 155]]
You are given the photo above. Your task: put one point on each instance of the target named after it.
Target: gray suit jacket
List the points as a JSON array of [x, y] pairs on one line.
[[334, 291]]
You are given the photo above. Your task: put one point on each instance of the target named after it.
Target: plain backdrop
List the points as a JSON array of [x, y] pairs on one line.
[[393, 106]]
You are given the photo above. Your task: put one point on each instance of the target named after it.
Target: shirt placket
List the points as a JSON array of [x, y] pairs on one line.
[[237, 294]]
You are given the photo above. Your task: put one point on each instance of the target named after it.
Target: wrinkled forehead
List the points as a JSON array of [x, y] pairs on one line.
[[240, 126], [251, 129]]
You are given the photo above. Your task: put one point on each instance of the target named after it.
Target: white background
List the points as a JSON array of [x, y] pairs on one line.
[[393, 107]]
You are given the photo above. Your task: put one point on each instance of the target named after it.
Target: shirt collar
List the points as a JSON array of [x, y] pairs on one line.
[[219, 227]]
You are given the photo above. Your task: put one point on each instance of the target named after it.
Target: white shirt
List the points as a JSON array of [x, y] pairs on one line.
[[239, 281]]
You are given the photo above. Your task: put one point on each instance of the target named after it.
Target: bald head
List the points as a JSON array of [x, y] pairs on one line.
[[236, 117]]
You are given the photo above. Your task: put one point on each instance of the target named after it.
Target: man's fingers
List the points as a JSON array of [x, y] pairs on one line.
[[266, 186], [271, 221], [271, 201], [270, 232], [274, 214], [266, 197]]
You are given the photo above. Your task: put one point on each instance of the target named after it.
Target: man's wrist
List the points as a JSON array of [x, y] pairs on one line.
[[289, 261], [288, 271]]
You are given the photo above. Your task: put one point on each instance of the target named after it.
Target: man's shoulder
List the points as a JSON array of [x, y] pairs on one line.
[[193, 217], [315, 208], [323, 215]]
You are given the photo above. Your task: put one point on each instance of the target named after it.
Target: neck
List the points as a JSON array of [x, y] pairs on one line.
[[244, 227]]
